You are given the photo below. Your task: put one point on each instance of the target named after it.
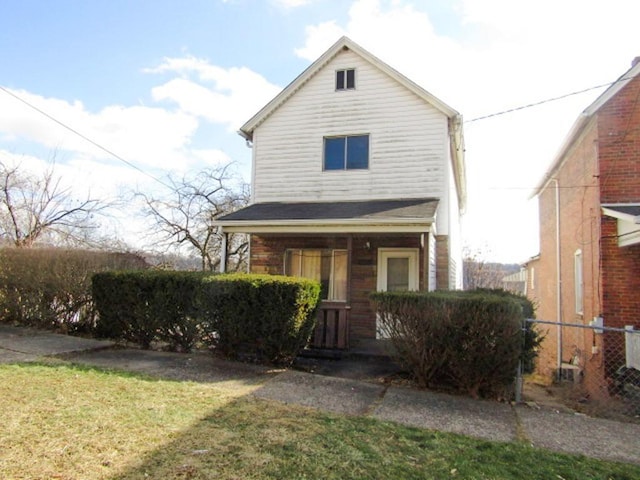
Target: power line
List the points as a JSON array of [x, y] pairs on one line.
[[542, 102], [84, 137]]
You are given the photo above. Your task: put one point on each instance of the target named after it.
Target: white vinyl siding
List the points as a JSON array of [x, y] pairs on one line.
[[408, 140]]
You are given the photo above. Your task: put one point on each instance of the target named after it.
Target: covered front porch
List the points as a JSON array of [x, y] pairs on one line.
[[390, 248]]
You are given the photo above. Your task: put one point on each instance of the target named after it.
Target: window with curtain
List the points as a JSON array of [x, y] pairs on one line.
[[329, 267]]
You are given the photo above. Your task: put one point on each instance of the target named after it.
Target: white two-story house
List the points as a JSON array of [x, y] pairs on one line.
[[358, 182]]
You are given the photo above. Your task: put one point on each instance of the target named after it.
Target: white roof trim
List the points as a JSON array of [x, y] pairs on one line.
[[344, 42], [627, 217], [329, 229]]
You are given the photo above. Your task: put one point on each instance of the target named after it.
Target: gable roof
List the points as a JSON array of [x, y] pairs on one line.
[[582, 121], [345, 43]]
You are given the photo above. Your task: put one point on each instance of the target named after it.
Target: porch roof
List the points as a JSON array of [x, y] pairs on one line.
[[628, 219], [416, 214]]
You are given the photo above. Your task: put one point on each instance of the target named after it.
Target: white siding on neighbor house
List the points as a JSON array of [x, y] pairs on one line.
[[408, 143]]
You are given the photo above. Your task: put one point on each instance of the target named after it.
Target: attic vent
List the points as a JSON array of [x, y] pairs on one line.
[[346, 79]]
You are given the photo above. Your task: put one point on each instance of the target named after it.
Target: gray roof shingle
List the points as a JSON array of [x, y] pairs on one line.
[[417, 208]]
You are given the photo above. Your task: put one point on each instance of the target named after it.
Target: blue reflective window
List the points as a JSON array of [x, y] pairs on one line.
[[358, 152], [350, 152], [334, 152]]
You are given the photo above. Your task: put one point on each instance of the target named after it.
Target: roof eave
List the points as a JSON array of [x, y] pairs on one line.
[[581, 123], [247, 129]]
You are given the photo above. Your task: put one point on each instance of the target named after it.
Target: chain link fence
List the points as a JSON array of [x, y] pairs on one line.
[[590, 368]]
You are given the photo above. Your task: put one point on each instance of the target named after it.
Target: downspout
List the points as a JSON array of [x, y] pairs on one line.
[[558, 284]]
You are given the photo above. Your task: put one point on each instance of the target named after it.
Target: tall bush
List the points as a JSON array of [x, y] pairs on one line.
[[148, 306], [269, 318], [265, 316], [532, 336], [471, 342], [51, 288]]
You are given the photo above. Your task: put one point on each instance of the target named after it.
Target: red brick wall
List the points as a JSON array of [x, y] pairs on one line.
[[267, 256], [602, 167], [579, 230], [620, 278], [619, 146]]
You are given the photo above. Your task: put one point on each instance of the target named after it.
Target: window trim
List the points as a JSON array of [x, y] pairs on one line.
[[346, 150], [345, 80]]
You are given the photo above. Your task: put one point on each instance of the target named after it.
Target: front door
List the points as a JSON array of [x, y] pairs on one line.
[[398, 270]]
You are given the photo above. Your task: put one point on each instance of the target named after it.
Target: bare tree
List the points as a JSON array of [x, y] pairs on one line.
[[38, 209], [478, 273], [186, 216]]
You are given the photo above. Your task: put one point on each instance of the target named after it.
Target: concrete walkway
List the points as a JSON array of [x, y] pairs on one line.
[[570, 433]]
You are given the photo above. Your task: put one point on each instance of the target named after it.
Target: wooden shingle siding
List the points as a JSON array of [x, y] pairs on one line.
[[408, 140]]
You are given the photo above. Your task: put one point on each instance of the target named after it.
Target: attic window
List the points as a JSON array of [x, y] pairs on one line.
[[346, 79]]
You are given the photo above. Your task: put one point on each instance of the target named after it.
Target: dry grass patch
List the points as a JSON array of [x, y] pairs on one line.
[[66, 422]]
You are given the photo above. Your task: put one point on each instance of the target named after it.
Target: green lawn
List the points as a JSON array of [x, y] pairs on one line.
[[66, 422]]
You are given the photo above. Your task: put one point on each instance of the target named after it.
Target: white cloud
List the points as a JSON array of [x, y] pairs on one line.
[[226, 96], [494, 55], [149, 137]]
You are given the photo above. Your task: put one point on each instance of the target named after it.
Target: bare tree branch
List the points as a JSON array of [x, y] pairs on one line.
[[34, 208], [185, 218]]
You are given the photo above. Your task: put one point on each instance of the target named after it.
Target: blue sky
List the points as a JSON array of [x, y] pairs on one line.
[[165, 84]]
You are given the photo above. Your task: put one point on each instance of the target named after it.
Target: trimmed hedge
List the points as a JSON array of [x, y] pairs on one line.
[[50, 288], [466, 340], [268, 318], [143, 307]]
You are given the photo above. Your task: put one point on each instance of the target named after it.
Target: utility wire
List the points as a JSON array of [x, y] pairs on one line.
[[84, 137], [547, 100]]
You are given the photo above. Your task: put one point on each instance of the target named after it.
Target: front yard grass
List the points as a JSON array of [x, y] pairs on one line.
[[59, 421]]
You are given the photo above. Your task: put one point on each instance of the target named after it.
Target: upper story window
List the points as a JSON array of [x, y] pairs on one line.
[[346, 79], [346, 153]]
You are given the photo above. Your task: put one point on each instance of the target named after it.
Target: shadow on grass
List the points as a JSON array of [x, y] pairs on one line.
[[250, 438]]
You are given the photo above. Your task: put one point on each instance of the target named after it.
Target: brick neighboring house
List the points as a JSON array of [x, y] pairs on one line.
[[589, 262], [358, 182]]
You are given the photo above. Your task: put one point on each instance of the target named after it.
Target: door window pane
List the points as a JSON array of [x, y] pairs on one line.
[[398, 274]]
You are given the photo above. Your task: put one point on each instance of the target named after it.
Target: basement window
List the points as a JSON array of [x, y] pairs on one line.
[[346, 79]]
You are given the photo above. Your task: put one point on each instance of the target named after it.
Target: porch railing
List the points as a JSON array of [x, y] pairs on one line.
[[332, 327]]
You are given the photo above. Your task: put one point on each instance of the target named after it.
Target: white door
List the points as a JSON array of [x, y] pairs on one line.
[[398, 270]]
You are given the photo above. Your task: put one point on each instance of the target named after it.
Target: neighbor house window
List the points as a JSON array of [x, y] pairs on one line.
[[577, 264], [346, 79], [346, 153], [329, 267]]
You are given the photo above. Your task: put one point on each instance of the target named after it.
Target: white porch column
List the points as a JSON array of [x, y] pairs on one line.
[[223, 252]]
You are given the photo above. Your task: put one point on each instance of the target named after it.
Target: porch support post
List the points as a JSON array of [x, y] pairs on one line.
[[349, 258], [223, 252]]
